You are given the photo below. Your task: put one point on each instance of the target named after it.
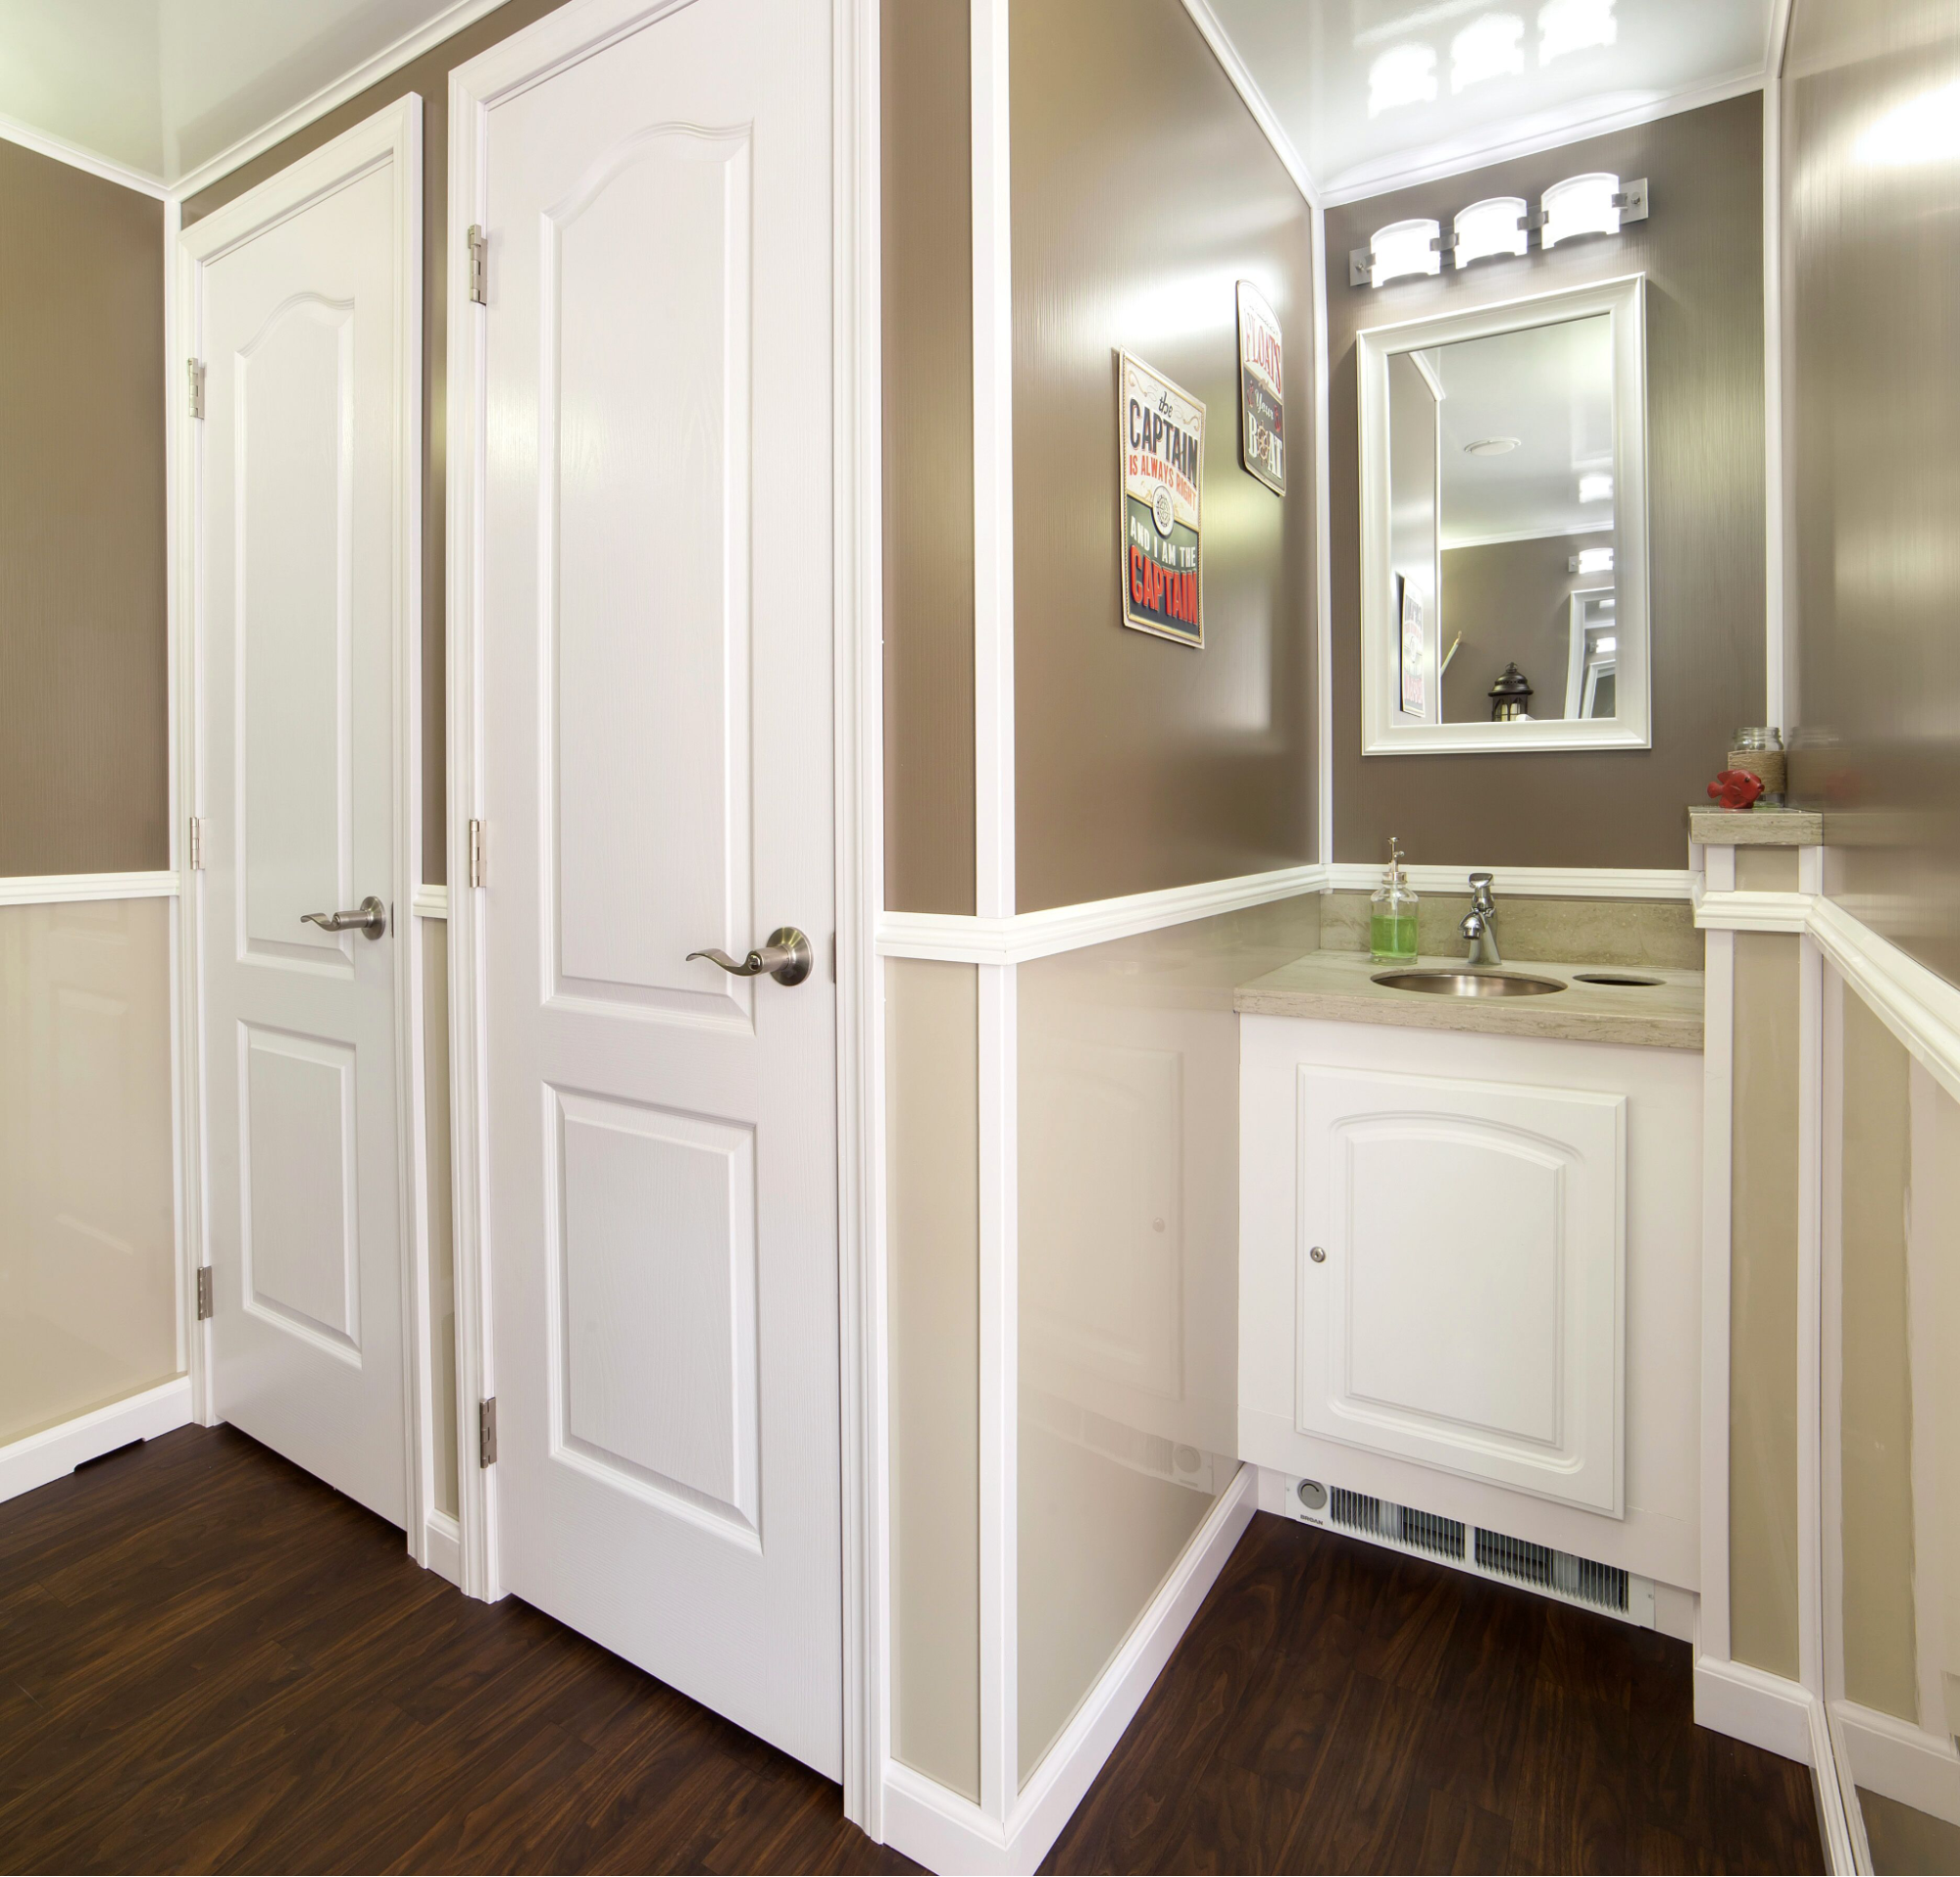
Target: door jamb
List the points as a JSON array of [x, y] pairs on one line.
[[392, 136], [513, 66]]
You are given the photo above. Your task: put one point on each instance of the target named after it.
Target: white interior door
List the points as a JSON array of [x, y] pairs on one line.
[[303, 518], [654, 568]]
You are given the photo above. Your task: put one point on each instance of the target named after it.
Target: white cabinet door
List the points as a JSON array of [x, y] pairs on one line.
[[1459, 1277]]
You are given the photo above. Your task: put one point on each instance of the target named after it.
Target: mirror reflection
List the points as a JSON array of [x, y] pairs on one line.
[[1501, 467]]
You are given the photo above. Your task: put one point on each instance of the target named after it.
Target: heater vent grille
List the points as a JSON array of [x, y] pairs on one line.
[[1471, 1547]]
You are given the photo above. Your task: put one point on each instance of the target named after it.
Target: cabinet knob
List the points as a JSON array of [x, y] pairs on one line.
[[1318, 1253]]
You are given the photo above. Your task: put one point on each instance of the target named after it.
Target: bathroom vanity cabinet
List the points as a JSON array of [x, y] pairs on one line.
[[1469, 1260]]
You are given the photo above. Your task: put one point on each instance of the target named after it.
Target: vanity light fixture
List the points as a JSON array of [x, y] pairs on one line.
[[1595, 487], [1608, 644], [1592, 560], [1494, 225], [1591, 204], [1492, 47], [1401, 249]]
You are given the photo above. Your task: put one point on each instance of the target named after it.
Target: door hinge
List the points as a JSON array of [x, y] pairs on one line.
[[479, 266], [486, 1432], [205, 1307], [195, 366], [475, 853], [196, 844]]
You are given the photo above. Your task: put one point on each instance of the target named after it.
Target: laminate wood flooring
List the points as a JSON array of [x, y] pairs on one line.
[[211, 1662], [1336, 1706]]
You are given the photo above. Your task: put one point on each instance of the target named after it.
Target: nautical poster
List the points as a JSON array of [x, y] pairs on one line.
[[1161, 439], [1262, 391]]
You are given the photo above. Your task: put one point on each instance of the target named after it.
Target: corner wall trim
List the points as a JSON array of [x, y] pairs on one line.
[[1253, 98], [58, 890], [39, 1458], [951, 1835]]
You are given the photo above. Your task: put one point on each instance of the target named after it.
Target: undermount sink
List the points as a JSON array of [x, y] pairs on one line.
[[1469, 984]]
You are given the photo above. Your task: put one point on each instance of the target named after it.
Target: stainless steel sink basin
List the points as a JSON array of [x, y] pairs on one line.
[[1469, 984]]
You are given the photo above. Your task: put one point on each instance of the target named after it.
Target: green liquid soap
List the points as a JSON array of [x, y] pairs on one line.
[[1391, 938]]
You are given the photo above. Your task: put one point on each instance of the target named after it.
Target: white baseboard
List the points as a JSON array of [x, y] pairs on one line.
[[1751, 1704], [442, 1542], [1900, 1761], [950, 1835], [39, 1458]]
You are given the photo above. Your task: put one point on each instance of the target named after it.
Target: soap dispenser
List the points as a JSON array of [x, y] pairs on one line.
[[1392, 915]]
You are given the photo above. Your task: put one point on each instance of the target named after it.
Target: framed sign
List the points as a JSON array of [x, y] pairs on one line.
[[1415, 647], [1161, 445], [1262, 391]]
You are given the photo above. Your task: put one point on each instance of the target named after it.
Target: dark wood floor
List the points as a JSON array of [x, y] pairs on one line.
[[210, 1662], [1339, 1707]]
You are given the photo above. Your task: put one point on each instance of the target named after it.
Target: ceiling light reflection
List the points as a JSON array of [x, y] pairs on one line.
[[1403, 75], [1595, 489], [1492, 47], [1574, 25]]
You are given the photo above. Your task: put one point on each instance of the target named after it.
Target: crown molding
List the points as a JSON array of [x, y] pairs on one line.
[[12, 130], [1554, 131]]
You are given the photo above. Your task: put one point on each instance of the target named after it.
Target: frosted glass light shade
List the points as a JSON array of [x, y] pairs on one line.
[[1595, 486], [1580, 205], [1490, 227], [1404, 248], [1594, 560]]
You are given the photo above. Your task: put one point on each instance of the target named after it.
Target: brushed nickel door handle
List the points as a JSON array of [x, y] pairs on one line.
[[370, 915], [787, 958]]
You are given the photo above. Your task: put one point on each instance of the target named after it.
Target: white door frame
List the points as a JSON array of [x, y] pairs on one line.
[[572, 33], [391, 136]]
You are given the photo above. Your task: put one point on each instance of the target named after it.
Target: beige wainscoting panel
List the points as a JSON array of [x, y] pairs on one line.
[[1766, 870], [1129, 1278], [88, 1298], [1876, 1432], [931, 1104], [441, 1240], [1934, 1226], [1762, 1307]]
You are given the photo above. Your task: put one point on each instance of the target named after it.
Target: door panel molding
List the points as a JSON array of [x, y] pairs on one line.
[[389, 141]]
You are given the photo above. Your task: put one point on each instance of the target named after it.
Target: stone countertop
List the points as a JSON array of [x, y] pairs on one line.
[[1755, 826], [1338, 987]]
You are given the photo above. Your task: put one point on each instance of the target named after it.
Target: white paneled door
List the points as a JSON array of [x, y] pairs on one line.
[[296, 309], [654, 578]]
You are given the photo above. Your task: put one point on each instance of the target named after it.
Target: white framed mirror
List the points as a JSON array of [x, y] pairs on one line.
[[1504, 527]]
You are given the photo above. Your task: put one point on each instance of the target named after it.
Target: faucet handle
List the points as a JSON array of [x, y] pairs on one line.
[[1479, 893]]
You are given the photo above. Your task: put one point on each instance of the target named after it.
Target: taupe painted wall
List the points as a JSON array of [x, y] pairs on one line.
[[929, 456], [1702, 253], [1141, 191], [1874, 271], [1512, 602], [429, 76], [83, 664]]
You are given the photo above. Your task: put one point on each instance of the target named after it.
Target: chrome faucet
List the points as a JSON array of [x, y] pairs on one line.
[[1479, 924]]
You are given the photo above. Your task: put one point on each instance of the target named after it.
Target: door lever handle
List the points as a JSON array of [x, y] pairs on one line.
[[370, 915], [787, 958]]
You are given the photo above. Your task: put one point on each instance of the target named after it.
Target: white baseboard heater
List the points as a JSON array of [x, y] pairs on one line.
[[1473, 1548]]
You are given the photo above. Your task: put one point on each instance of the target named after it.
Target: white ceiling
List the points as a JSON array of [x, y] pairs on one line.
[[1330, 69], [161, 87]]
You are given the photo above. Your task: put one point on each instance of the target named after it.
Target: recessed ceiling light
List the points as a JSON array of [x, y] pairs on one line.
[[1596, 488], [1492, 446]]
